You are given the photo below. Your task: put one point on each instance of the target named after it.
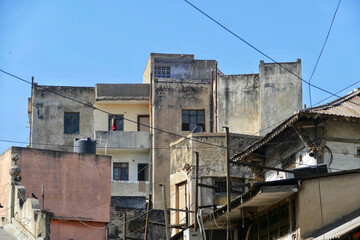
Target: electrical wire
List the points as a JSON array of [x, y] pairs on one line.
[[256, 49], [322, 49]]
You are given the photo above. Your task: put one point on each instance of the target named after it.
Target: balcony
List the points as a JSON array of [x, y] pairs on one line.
[[123, 140], [130, 188]]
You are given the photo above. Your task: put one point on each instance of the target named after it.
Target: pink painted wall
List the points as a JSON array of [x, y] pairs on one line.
[[75, 184], [4, 180], [65, 230]]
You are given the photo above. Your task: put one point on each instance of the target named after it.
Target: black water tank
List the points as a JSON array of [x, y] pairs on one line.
[[84, 146]]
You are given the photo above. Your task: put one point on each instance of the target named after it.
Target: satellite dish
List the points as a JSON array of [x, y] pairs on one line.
[[197, 129]]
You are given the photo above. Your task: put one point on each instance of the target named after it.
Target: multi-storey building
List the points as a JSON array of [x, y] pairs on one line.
[[135, 123]]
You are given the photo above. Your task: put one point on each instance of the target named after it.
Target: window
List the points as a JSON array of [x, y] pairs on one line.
[[143, 172], [145, 120], [192, 119], [121, 171], [162, 71], [116, 122], [71, 122]]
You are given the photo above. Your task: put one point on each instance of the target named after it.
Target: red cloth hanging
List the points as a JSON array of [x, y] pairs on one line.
[[114, 124]]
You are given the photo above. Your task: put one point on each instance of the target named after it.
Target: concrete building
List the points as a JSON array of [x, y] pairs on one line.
[[186, 93], [179, 93], [212, 172], [76, 191]]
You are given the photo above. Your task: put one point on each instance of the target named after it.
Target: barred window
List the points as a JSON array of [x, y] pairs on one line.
[[162, 71]]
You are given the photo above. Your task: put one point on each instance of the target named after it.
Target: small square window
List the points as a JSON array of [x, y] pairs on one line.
[[121, 171], [116, 122], [71, 122], [192, 119]]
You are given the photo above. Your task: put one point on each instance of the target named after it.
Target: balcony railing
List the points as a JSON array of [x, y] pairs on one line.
[[123, 140]]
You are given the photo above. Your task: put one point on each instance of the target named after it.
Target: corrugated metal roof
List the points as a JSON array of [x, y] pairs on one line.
[[347, 106], [5, 235]]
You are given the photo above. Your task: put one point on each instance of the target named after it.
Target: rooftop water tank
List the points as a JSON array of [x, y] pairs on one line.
[[84, 146]]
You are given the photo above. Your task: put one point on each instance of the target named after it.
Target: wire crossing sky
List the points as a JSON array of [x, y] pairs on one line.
[[86, 42]]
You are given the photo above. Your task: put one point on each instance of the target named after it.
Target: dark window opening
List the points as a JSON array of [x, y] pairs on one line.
[[143, 172], [71, 122], [116, 123], [121, 171], [192, 119], [162, 71]]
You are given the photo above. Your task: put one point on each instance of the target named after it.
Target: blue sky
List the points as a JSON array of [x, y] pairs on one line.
[[80, 43]]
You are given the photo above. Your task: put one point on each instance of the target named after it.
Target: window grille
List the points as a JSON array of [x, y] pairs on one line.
[[162, 71]]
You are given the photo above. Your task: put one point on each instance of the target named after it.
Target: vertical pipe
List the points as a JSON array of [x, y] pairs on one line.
[[196, 191], [151, 137], [147, 218], [124, 226], [32, 110], [167, 228], [228, 187], [212, 102], [216, 99]]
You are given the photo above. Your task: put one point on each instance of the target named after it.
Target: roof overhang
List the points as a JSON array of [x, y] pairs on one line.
[[265, 197]]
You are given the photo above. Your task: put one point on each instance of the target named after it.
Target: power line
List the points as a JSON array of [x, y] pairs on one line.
[[322, 49], [256, 49]]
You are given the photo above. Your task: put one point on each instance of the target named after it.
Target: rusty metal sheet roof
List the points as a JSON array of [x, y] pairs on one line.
[[347, 106]]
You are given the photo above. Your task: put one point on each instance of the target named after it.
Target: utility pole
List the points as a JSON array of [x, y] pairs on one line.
[[228, 187], [196, 190], [148, 207], [124, 226], [167, 228]]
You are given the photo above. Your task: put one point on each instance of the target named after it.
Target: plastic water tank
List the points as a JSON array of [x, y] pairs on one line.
[[84, 146]]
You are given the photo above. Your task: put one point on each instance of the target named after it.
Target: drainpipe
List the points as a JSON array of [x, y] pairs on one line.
[[212, 102], [151, 137], [216, 99]]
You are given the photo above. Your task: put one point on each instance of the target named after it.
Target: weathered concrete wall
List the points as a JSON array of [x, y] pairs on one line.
[[212, 164], [47, 116], [135, 221], [239, 103], [280, 93], [75, 184], [339, 196], [5, 180], [125, 92], [170, 97]]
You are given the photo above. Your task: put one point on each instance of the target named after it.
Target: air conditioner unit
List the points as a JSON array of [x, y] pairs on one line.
[[190, 234]]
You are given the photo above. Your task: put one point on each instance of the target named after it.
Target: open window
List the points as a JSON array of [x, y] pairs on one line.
[[116, 123], [143, 172]]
